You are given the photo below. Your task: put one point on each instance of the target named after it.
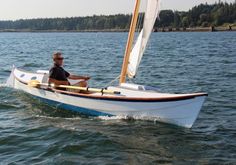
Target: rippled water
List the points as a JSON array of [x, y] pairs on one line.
[[31, 132]]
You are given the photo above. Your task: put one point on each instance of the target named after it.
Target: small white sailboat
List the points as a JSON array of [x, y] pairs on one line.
[[132, 100]]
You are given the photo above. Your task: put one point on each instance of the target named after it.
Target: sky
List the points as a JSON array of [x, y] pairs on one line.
[[25, 9]]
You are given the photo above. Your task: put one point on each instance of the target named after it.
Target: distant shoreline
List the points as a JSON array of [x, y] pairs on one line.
[[201, 18], [166, 29]]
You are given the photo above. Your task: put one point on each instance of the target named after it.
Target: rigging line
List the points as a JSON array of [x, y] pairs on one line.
[[139, 24], [141, 21], [112, 81], [132, 80]]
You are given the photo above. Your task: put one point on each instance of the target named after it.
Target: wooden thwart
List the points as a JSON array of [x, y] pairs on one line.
[[35, 84]]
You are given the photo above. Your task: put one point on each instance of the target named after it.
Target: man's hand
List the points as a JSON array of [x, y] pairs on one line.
[[86, 78]]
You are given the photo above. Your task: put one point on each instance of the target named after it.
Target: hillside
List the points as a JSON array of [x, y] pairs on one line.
[[203, 15]]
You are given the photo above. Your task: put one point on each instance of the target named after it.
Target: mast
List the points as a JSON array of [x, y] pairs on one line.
[[130, 42]]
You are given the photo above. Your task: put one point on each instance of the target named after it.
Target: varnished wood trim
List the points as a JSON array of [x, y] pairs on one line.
[[123, 98], [136, 99]]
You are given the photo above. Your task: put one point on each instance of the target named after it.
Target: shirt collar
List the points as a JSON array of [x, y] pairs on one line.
[[56, 65]]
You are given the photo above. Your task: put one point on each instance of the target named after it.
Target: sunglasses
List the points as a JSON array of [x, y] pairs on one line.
[[60, 58]]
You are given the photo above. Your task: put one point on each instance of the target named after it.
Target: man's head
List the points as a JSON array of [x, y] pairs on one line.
[[58, 58]]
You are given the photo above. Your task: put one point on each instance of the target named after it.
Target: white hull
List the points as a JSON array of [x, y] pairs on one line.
[[182, 111]]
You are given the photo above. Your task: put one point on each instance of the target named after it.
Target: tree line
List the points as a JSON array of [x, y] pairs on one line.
[[203, 15]]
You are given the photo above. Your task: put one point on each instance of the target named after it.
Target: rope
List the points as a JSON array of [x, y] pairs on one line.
[[138, 27], [112, 81], [140, 22], [132, 80]]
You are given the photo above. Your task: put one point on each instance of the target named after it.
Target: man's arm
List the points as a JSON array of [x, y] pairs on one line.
[[74, 77]]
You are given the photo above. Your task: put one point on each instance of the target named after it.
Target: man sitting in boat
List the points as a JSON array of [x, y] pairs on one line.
[[59, 76]]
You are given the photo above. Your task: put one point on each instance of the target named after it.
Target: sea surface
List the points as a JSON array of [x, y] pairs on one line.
[[34, 133]]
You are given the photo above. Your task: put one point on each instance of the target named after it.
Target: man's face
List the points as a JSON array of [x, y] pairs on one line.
[[59, 60]]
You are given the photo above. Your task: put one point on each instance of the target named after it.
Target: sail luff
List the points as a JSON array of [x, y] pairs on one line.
[[130, 42], [151, 15]]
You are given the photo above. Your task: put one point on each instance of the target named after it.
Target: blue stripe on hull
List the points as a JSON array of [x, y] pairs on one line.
[[73, 108]]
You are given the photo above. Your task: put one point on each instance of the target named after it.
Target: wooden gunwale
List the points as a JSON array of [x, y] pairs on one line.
[[123, 98]]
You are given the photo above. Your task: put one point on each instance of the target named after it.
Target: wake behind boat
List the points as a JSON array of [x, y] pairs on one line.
[[132, 100]]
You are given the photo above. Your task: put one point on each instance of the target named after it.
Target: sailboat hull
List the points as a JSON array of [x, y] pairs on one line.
[[182, 112]]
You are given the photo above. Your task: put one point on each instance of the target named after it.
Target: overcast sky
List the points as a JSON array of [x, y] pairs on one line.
[[17, 9]]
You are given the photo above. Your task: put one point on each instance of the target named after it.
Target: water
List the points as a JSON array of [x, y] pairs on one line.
[[34, 133]]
